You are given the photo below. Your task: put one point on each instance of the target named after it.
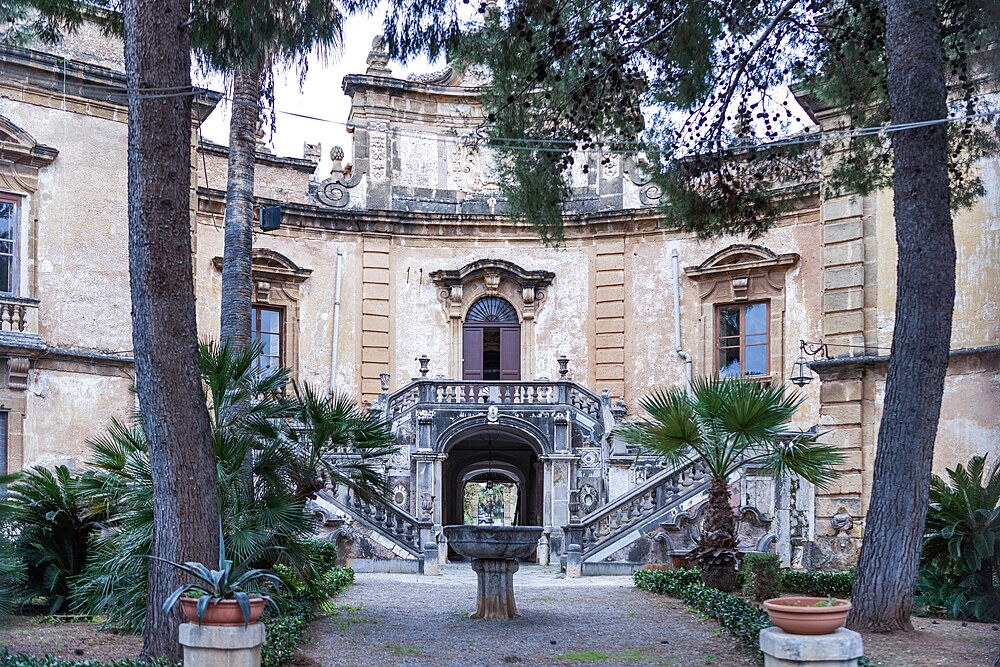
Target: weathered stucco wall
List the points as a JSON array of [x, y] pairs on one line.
[[82, 229], [977, 239], [651, 361], [65, 408], [420, 324], [313, 250]]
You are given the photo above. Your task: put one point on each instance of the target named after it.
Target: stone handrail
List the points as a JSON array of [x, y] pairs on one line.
[[18, 315], [463, 392], [665, 489], [393, 523]]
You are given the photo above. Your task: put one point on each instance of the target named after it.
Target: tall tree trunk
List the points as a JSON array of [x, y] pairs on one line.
[[237, 259], [718, 531], [925, 296], [165, 337]]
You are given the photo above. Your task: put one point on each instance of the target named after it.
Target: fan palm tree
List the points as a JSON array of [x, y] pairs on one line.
[[247, 40], [727, 424], [272, 452]]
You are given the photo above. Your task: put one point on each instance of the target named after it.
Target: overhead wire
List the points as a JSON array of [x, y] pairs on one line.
[[558, 145]]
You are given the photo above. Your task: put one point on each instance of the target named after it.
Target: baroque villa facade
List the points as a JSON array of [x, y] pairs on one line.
[[397, 278]]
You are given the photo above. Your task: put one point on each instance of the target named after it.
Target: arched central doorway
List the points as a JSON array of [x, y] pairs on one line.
[[492, 477], [491, 341]]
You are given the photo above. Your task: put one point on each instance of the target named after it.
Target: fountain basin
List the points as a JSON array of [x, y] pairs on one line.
[[494, 551], [494, 542]]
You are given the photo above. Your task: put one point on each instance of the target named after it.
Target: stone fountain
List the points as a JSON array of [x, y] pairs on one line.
[[494, 551]]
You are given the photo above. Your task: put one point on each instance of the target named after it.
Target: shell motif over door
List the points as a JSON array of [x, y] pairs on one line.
[[491, 341]]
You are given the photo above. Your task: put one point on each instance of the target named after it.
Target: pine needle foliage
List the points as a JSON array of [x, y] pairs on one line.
[[572, 78]]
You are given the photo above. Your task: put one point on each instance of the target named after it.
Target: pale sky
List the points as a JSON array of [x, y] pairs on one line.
[[321, 96]]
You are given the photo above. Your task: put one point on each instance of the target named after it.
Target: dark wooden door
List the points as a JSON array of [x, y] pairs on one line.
[[510, 353], [472, 353]]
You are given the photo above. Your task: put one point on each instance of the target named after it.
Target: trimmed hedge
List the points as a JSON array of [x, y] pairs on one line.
[[8, 659], [744, 620], [818, 584], [306, 598]]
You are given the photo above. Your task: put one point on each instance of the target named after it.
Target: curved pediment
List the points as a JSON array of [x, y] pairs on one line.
[[19, 147], [489, 267], [741, 258], [273, 266]]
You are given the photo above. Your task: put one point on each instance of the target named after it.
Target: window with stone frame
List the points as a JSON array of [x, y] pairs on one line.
[[267, 327], [10, 213], [743, 340], [741, 312]]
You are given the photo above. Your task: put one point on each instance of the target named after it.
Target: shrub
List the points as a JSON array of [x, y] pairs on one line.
[[762, 579], [304, 595], [54, 522], [12, 575], [744, 620], [283, 637], [818, 584], [293, 443], [8, 659], [960, 566]]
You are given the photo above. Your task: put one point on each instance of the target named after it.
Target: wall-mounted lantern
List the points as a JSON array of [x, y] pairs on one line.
[[801, 373]]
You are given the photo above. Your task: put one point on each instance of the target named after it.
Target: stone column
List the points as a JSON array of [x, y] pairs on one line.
[[560, 481], [839, 649], [216, 646], [430, 488]]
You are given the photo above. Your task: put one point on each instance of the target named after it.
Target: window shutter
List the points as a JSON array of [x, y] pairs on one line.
[[510, 353], [472, 354]]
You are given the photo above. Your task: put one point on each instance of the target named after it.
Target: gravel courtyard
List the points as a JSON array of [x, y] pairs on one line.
[[394, 619]]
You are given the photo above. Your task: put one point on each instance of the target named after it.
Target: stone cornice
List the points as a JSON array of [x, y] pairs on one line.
[[362, 82], [302, 165], [828, 367], [538, 280], [63, 78]]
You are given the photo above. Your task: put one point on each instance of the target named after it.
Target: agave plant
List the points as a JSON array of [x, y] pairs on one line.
[[960, 571], [227, 582], [726, 424]]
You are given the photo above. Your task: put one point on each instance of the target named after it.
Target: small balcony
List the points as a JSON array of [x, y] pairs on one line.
[[19, 316]]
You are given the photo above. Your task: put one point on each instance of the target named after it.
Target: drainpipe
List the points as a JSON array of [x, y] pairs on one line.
[[336, 320], [685, 357]]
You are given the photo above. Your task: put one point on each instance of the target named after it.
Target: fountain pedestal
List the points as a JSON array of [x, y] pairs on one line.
[[494, 551]]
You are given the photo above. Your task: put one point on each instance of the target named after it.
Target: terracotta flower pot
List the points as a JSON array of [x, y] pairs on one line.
[[223, 612], [799, 615]]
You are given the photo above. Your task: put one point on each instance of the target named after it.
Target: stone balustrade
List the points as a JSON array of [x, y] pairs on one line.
[[19, 315]]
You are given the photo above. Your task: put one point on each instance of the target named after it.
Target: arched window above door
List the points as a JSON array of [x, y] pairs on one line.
[[491, 309], [479, 300]]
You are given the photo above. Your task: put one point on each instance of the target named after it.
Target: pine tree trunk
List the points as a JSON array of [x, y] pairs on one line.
[[165, 338], [237, 259], [925, 284]]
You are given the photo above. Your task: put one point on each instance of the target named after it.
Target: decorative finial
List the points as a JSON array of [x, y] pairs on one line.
[[378, 59], [337, 156]]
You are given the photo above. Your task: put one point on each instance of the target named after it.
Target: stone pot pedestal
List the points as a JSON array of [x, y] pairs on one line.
[[221, 646], [838, 649], [494, 551]]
